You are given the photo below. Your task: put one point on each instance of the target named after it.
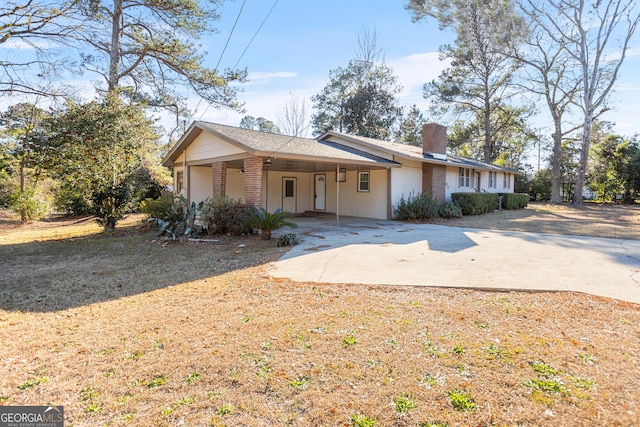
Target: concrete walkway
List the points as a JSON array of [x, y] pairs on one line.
[[395, 253]]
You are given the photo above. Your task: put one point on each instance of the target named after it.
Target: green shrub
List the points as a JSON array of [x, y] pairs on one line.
[[266, 221], [157, 208], [416, 207], [109, 205], [475, 203], [222, 215], [28, 205], [288, 239], [69, 199], [449, 210], [180, 223], [515, 201]]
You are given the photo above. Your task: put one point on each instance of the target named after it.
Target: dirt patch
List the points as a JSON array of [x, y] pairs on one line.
[[122, 330]]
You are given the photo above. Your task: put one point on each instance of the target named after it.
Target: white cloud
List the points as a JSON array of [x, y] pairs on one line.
[[267, 77], [414, 71]]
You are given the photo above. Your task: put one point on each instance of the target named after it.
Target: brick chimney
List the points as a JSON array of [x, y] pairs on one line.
[[434, 176], [434, 140]]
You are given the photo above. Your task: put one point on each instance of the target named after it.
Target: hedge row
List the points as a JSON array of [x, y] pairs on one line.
[[479, 203], [515, 200], [475, 203]]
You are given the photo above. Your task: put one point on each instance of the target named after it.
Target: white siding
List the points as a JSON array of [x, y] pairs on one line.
[[453, 182], [201, 183], [207, 146], [371, 204], [272, 184], [235, 184], [404, 181]]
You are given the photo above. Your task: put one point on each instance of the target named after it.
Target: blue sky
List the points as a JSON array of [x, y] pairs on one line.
[[302, 41]]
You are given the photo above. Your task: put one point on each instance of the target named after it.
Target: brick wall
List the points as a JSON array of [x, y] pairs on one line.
[[434, 177], [434, 138], [253, 181], [219, 177]]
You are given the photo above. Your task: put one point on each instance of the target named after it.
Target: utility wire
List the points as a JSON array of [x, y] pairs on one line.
[[230, 34], [223, 51], [256, 33]]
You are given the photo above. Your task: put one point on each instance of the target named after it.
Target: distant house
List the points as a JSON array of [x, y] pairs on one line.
[[336, 173]]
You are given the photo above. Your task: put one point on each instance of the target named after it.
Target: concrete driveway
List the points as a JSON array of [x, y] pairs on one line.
[[395, 253]]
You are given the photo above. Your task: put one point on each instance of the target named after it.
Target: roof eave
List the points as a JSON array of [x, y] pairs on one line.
[[192, 133]]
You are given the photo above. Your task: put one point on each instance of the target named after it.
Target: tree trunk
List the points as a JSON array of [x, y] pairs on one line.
[[584, 160], [22, 175], [488, 146], [114, 55], [109, 224], [556, 165]]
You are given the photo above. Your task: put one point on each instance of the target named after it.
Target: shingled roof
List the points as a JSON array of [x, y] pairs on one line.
[[353, 149], [259, 143], [416, 153]]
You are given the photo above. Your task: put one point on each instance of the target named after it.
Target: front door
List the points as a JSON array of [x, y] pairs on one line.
[[320, 193], [289, 194]]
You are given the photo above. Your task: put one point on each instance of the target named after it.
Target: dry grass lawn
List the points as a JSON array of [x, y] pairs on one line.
[[126, 331]]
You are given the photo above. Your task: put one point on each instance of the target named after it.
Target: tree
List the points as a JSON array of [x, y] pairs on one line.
[[587, 31], [259, 123], [145, 49], [614, 169], [360, 99], [148, 47], [293, 117], [33, 26], [550, 74], [511, 136], [18, 122], [410, 129], [96, 148], [481, 72]]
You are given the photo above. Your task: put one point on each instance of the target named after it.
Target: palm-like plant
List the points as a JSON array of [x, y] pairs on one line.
[[267, 221]]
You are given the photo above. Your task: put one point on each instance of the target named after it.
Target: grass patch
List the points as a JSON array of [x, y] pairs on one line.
[[461, 400], [214, 340]]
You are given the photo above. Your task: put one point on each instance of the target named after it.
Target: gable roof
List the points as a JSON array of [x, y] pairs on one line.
[[330, 147], [416, 153], [257, 143]]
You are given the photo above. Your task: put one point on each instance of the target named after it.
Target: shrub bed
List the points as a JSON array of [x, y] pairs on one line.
[[422, 206], [515, 201], [416, 207], [475, 203], [222, 215]]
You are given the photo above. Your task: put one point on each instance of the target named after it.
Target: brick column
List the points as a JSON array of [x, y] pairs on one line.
[[434, 177], [253, 181], [434, 181], [219, 178]]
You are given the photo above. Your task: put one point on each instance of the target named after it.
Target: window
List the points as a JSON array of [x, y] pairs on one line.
[[363, 181], [493, 180], [506, 181], [288, 188], [464, 177]]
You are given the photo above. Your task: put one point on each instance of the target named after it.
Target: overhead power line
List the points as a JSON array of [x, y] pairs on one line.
[[222, 54], [230, 34], [256, 33]]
